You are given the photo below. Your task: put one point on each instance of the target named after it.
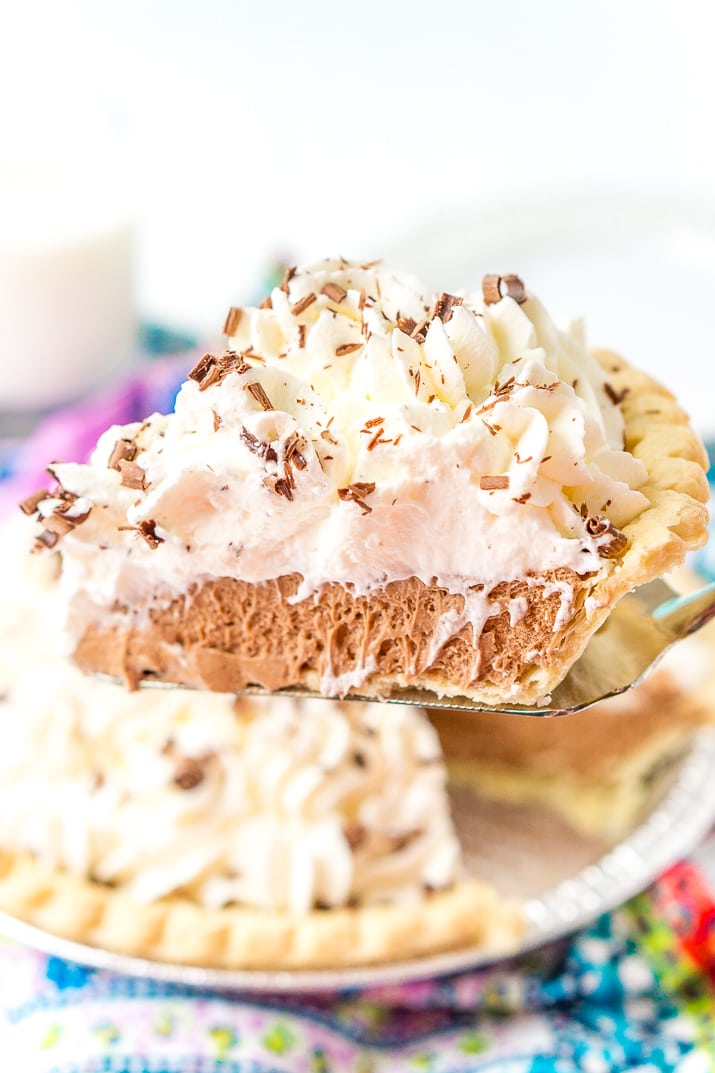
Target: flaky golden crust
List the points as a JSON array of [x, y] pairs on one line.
[[181, 932], [659, 434]]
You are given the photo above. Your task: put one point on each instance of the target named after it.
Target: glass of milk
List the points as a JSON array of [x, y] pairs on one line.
[[67, 311]]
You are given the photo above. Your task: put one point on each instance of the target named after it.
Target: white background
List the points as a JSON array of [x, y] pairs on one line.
[[572, 142]]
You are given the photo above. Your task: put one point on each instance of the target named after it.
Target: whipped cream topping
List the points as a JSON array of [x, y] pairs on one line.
[[362, 430], [268, 803]]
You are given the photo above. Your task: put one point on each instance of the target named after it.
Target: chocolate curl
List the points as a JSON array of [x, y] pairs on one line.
[[494, 288], [611, 541]]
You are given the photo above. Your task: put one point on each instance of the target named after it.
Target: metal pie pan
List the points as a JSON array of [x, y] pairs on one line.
[[602, 879]]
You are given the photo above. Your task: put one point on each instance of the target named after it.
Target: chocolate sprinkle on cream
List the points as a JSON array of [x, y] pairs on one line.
[[302, 304], [406, 324], [444, 306], [133, 476], [494, 288], [419, 333], [147, 530], [617, 542], [490, 484], [282, 486], [514, 288], [334, 292], [58, 524], [490, 289], [122, 450], [260, 396], [257, 447], [29, 506], [210, 369], [267, 303], [233, 319], [205, 372], [346, 348], [292, 454], [356, 492]]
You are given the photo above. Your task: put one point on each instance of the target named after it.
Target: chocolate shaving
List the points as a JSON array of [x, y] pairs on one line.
[[302, 304], [292, 454], [147, 530], [514, 287], [419, 332], [505, 388], [490, 289], [522, 498], [60, 521], [334, 292], [133, 476], [205, 372], [444, 306], [374, 421], [406, 325], [233, 319], [209, 369], [346, 348], [188, 773], [123, 450], [257, 447], [494, 288], [267, 303], [29, 506], [58, 524], [617, 542], [282, 486], [377, 439], [490, 483], [260, 396], [301, 335], [616, 397], [217, 420], [356, 492]]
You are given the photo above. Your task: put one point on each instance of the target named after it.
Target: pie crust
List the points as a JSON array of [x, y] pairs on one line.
[[181, 932]]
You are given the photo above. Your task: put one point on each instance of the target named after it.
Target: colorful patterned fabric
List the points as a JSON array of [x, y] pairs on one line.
[[636, 991]]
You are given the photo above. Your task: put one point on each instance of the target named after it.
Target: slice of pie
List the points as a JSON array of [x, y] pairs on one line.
[[374, 488], [598, 769]]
